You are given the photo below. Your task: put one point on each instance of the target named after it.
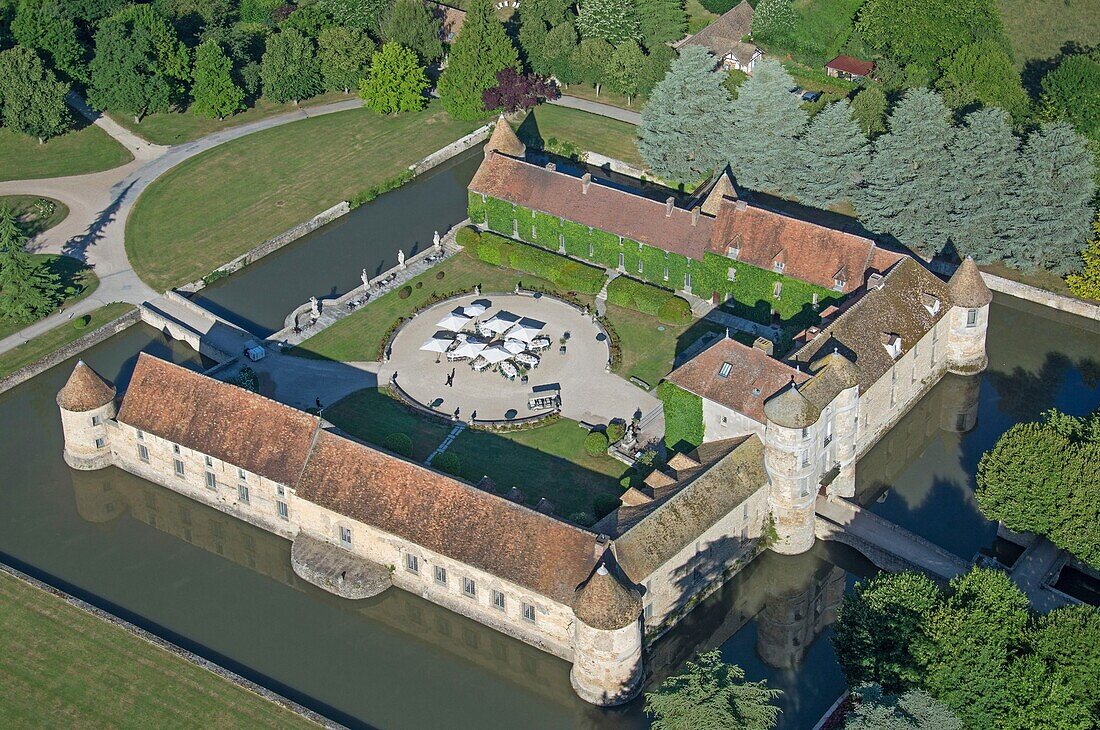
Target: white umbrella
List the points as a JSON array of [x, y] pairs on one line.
[[495, 354], [436, 345], [453, 321], [474, 310], [526, 329], [470, 348], [501, 322], [515, 346]]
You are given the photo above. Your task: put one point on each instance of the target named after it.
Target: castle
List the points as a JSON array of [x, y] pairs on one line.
[[777, 433]]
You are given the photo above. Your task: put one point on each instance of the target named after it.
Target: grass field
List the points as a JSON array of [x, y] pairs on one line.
[[59, 336], [582, 130], [1039, 30], [75, 276], [85, 150], [221, 203], [63, 667], [649, 347], [24, 207], [371, 415], [176, 127]]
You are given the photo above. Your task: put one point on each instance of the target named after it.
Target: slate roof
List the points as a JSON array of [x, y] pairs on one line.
[[723, 36], [85, 390], [605, 603]]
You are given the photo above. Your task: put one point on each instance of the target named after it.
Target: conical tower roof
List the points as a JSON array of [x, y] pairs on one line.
[[967, 287], [504, 140], [605, 603], [723, 188], [85, 390], [791, 409]]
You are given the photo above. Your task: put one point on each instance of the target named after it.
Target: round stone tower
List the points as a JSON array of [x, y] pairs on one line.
[[607, 639], [836, 374], [505, 141], [87, 403], [968, 320], [959, 402], [790, 457]]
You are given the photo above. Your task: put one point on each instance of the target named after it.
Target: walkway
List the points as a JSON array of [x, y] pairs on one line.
[[1033, 569], [446, 444], [599, 108]]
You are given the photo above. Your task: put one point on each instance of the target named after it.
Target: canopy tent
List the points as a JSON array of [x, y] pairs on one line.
[[454, 321], [476, 309], [526, 329], [515, 346], [469, 348], [495, 354], [501, 322], [436, 344]]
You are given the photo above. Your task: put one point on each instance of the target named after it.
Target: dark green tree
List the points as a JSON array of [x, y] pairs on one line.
[[911, 174], [480, 51], [923, 33], [413, 26], [914, 710], [536, 18], [1086, 283], [48, 26], [831, 156], [344, 55], [1071, 93], [766, 122], [32, 97], [712, 694], [309, 20], [396, 82], [370, 15], [213, 92], [682, 134], [869, 108], [289, 69], [983, 73], [1067, 642], [561, 45], [258, 11], [590, 60], [614, 21], [28, 289], [660, 21], [625, 68], [657, 64]]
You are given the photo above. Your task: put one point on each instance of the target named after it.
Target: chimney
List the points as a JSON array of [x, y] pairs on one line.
[[765, 345], [551, 166], [669, 205], [586, 180], [695, 215], [600, 547], [874, 281]]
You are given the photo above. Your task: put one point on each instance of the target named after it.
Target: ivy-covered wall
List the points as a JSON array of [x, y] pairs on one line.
[[683, 417]]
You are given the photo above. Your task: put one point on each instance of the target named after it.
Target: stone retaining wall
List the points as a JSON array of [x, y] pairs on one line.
[[73, 348], [1061, 302], [454, 148]]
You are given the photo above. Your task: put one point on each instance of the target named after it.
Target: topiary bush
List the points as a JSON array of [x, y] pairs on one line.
[[615, 432], [82, 322], [398, 443], [439, 275], [448, 463], [404, 292], [674, 310], [637, 295], [595, 443]]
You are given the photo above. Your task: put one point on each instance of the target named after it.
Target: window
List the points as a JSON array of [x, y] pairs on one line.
[[529, 612], [96, 420], [971, 317], [440, 575], [345, 536], [412, 563], [469, 587], [622, 261], [805, 460], [242, 493], [725, 370], [242, 476], [280, 490], [779, 265], [647, 613], [498, 600], [175, 448], [100, 443], [140, 434], [283, 512], [208, 461], [210, 480], [143, 453], [179, 467], [777, 290]]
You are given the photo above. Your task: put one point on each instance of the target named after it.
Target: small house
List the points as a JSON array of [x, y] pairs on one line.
[[726, 39], [847, 67]]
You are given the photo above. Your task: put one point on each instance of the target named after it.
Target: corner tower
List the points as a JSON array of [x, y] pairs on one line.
[[87, 403], [505, 141], [968, 320], [791, 461], [607, 639]]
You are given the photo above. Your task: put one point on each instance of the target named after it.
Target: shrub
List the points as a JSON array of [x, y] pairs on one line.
[[615, 432], [595, 443], [637, 295], [448, 463], [439, 275], [82, 322], [467, 237], [247, 379], [398, 443], [405, 292], [494, 250], [579, 277], [581, 518], [674, 310]]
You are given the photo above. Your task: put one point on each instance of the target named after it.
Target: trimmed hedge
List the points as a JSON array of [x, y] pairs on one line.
[[649, 299], [674, 310], [595, 443], [563, 271], [683, 417]]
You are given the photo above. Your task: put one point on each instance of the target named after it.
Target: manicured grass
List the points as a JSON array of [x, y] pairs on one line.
[[26, 212], [77, 279], [1039, 30], [371, 415], [221, 203], [85, 150], [648, 351], [59, 336], [182, 126], [361, 335], [698, 16], [65, 667], [549, 123]]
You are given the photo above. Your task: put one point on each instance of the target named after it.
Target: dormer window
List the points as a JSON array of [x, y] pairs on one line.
[[733, 251], [779, 266], [725, 370], [931, 303], [839, 284], [892, 343]]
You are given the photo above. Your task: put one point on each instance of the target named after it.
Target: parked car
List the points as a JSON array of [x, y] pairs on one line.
[[796, 90], [254, 350], [811, 96]]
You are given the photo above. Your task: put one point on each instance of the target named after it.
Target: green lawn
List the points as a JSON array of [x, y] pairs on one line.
[[360, 336], [171, 128], [64, 667], [1039, 30], [59, 336], [649, 347], [548, 124], [77, 281], [85, 150], [220, 204], [371, 415], [26, 212]]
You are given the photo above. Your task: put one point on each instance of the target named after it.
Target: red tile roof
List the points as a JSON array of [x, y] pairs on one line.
[[854, 66], [85, 390]]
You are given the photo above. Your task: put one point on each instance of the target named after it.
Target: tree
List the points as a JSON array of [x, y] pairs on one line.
[[561, 44], [413, 26], [28, 289], [515, 91], [1067, 641], [480, 51], [309, 20], [869, 108], [33, 98], [1071, 93], [682, 134], [657, 64], [258, 11], [214, 93], [660, 21], [614, 21], [289, 67], [877, 626], [48, 26], [767, 119], [983, 73], [712, 694], [624, 69], [1087, 283], [985, 203], [590, 59], [1057, 182], [911, 174], [773, 21], [922, 33], [831, 156], [536, 18], [364, 14], [914, 710], [344, 56], [396, 82]]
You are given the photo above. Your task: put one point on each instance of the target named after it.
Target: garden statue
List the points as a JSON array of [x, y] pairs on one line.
[[365, 278], [314, 307], [400, 258], [436, 242], [477, 290]]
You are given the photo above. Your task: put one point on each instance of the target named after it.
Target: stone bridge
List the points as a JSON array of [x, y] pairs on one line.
[[208, 334]]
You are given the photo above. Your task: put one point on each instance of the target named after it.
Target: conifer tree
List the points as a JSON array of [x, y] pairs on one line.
[[1057, 181], [412, 26], [831, 156], [33, 99], [712, 694], [912, 174], [213, 92], [767, 119], [1086, 283], [982, 211], [396, 82], [660, 21], [682, 135], [772, 21], [28, 290], [625, 68], [869, 108], [289, 68], [344, 55], [480, 51], [615, 21]]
